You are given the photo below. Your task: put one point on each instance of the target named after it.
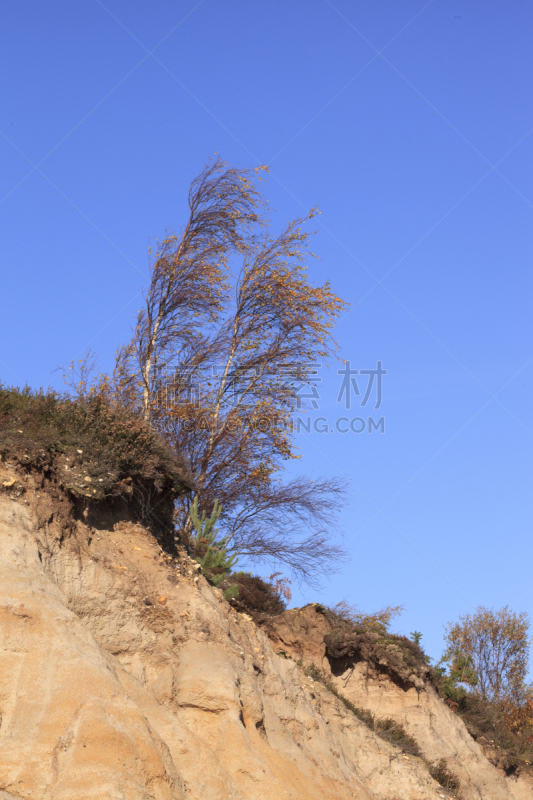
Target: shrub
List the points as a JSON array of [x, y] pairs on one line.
[[357, 635], [118, 440], [439, 772], [416, 637], [460, 675], [254, 594], [485, 721], [231, 592]]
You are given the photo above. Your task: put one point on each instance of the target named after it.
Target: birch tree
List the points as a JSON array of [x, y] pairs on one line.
[[188, 273], [231, 328]]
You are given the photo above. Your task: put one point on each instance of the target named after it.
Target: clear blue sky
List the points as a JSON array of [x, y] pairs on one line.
[[410, 123]]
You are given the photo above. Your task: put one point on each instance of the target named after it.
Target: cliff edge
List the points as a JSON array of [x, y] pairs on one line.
[[124, 674]]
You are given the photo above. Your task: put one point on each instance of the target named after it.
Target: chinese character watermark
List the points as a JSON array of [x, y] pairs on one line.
[[197, 388], [349, 384]]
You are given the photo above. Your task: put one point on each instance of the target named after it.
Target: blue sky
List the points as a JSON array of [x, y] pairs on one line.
[[410, 124]]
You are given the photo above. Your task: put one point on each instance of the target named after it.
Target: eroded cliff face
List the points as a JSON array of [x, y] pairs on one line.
[[124, 674], [402, 695]]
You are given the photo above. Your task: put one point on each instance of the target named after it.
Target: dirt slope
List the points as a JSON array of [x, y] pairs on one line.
[[123, 674], [403, 697]]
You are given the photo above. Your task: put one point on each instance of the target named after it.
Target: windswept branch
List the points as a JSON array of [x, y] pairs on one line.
[[292, 524], [188, 274]]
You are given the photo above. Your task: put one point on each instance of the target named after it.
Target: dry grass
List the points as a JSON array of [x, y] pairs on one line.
[[386, 729], [76, 439]]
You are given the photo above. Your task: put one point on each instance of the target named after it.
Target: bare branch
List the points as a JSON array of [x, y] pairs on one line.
[[293, 524]]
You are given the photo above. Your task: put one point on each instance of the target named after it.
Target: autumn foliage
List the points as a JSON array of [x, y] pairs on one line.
[[230, 329], [495, 647]]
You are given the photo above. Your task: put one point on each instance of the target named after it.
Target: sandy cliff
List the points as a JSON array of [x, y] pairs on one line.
[[124, 674], [408, 699]]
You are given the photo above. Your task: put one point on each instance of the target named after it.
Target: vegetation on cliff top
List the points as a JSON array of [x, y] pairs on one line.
[[100, 450]]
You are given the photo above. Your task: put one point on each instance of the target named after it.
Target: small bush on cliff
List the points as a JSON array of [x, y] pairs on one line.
[[459, 676], [254, 594], [439, 772]]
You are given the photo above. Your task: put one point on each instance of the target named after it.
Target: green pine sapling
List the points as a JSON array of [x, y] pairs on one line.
[[461, 673], [416, 637], [211, 552]]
